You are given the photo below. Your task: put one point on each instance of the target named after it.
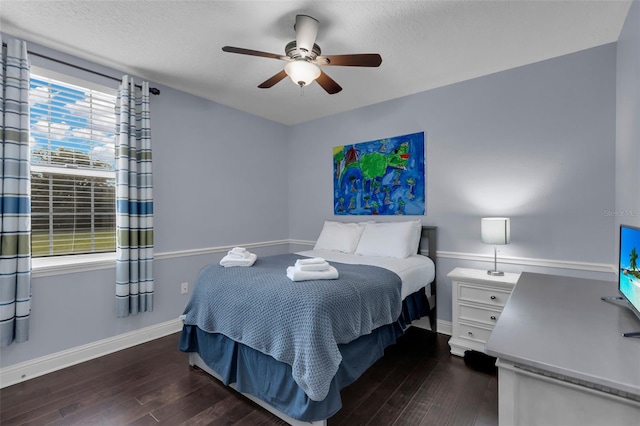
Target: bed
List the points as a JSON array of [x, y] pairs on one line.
[[328, 331]]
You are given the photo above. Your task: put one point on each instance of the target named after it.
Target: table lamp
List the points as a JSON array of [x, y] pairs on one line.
[[496, 231]]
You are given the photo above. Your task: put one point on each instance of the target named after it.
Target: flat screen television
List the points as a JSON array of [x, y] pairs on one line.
[[629, 264]]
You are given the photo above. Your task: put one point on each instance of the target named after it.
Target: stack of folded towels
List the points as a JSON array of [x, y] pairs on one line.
[[315, 268], [238, 256]]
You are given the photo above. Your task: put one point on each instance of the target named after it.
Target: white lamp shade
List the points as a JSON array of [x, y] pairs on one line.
[[302, 72], [495, 230]]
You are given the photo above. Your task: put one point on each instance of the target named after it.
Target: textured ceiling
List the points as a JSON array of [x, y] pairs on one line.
[[424, 44]]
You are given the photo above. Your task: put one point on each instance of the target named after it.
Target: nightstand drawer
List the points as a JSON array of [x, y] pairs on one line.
[[474, 333], [477, 301], [485, 316], [493, 297]]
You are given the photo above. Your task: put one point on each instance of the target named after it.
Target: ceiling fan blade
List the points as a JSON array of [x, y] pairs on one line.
[[355, 60], [273, 80], [328, 84], [306, 29], [250, 52]]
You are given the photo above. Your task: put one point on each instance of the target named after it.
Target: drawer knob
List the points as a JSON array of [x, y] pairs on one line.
[[493, 298], [470, 333], [493, 317]]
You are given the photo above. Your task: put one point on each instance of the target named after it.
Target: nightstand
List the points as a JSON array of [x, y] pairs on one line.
[[477, 302]]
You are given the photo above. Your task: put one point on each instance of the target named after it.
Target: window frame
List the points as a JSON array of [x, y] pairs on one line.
[[70, 263]]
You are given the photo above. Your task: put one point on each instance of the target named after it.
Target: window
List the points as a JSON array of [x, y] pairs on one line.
[[72, 168]]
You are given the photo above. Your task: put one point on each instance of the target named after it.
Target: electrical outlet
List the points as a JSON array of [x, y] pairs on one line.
[[184, 288]]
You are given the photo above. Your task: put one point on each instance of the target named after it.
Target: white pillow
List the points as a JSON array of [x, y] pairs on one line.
[[393, 239], [417, 236], [338, 236]]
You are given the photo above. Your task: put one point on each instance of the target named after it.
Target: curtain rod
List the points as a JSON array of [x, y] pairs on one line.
[[152, 90]]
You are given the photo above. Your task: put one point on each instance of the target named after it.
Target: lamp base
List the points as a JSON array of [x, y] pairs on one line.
[[495, 273]]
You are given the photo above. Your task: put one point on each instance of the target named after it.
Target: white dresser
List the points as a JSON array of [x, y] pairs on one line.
[[478, 300]]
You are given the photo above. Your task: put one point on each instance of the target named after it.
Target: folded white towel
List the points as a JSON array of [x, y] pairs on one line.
[[315, 261], [310, 261], [235, 255], [313, 266], [234, 261], [238, 250], [294, 274]]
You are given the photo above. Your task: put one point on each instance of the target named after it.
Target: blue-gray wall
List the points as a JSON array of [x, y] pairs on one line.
[[628, 120], [535, 143]]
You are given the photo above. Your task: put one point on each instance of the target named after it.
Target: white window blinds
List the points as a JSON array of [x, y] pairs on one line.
[[72, 168]]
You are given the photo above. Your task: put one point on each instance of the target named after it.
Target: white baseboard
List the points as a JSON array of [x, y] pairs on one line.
[[444, 327], [47, 364]]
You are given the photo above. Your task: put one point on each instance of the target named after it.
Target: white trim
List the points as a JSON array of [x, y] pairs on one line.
[[545, 263], [528, 261], [59, 265], [213, 250], [73, 171], [444, 327], [303, 242], [75, 81], [31, 369], [56, 265], [37, 367]]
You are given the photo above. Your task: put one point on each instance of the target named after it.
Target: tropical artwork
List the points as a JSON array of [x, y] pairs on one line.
[[381, 177], [629, 277]]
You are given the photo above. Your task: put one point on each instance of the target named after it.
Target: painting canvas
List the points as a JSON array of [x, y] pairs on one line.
[[380, 177]]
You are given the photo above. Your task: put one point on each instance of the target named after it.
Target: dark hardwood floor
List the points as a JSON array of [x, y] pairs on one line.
[[417, 382]]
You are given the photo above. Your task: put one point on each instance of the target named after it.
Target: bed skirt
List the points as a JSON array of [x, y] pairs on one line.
[[248, 368]]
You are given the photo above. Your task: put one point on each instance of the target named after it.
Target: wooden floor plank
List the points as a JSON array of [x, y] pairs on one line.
[[354, 395], [61, 385], [260, 417], [469, 399], [369, 407], [93, 403], [447, 397], [146, 420], [424, 398], [180, 409], [404, 393], [416, 382], [488, 410]]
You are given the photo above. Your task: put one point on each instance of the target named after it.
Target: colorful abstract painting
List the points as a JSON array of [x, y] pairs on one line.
[[381, 177]]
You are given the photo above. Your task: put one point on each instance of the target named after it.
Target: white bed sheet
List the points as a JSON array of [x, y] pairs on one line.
[[415, 271]]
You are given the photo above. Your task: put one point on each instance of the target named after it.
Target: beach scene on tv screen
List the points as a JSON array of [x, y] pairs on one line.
[[629, 273]]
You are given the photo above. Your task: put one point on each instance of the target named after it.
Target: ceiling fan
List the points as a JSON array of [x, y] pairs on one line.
[[304, 59]]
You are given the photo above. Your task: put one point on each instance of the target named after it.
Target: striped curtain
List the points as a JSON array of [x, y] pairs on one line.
[[15, 183], [134, 200]]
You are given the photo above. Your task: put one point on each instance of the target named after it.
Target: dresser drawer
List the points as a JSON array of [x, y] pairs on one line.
[[472, 313], [474, 333], [487, 296]]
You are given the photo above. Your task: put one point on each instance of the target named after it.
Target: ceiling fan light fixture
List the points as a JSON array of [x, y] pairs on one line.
[[303, 59], [302, 72]]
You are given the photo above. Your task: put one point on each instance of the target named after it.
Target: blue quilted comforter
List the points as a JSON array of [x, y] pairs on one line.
[[299, 323]]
